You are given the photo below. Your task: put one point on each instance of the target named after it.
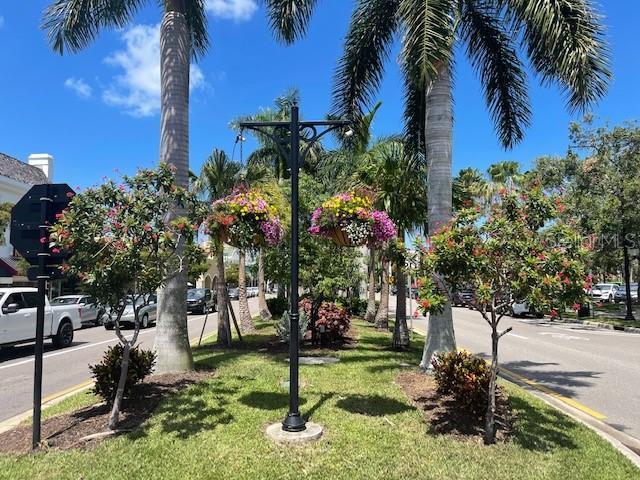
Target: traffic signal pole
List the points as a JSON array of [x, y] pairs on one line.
[[43, 256]]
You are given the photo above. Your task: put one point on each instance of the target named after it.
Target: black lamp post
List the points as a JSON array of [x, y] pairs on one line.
[[290, 134]]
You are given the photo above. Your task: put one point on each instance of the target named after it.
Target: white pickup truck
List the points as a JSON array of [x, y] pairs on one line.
[[18, 318]]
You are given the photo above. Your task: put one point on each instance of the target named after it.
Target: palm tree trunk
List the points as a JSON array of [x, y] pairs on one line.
[[172, 337], [401, 338], [370, 314], [438, 134], [382, 316], [224, 327], [265, 314], [246, 325]]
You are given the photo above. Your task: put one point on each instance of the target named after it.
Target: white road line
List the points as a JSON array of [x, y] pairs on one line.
[[517, 336], [75, 349]]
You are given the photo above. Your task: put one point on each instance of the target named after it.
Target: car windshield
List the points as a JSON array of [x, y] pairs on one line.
[[64, 300], [195, 293], [603, 286]]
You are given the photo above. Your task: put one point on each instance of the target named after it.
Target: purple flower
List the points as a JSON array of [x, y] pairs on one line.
[[272, 230], [383, 227]]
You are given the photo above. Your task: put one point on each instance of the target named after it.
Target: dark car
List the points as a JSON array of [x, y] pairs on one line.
[[621, 294], [200, 300], [465, 297]]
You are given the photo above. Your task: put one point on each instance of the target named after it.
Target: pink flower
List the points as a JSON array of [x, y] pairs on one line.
[[147, 227], [43, 240], [55, 250], [70, 194]]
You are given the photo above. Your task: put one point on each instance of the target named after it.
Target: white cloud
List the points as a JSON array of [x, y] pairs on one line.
[[79, 86], [137, 89], [238, 10]]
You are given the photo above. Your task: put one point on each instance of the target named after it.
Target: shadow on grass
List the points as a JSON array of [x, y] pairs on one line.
[[372, 405], [268, 400], [541, 429], [194, 411]]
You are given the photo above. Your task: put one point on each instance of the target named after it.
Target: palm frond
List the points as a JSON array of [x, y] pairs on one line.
[[197, 22], [366, 49], [502, 75], [74, 24], [218, 176], [429, 28], [565, 42], [289, 19]]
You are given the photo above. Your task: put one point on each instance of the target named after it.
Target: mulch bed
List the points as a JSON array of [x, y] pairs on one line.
[[444, 415], [66, 431]]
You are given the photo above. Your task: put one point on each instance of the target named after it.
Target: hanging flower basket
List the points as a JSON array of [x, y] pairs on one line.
[[245, 220], [348, 219], [339, 237]]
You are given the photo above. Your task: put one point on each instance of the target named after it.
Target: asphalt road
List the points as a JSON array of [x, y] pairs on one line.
[[66, 368], [598, 368]]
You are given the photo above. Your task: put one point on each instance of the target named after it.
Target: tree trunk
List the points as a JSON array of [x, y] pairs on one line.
[[246, 325], [382, 316], [438, 134], [370, 315], [265, 314], [117, 402], [224, 327], [172, 337], [490, 423], [401, 338]]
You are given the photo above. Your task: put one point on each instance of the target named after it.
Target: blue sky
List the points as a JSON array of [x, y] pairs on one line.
[[96, 111]]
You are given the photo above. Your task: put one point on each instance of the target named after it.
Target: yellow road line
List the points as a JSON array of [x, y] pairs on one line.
[[556, 395], [67, 391]]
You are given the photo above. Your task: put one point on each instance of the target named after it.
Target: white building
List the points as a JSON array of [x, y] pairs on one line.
[[16, 178]]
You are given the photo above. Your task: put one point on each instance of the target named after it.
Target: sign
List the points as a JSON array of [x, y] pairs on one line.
[[26, 219]]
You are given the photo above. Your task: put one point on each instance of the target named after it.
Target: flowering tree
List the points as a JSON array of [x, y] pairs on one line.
[[516, 251], [124, 248]]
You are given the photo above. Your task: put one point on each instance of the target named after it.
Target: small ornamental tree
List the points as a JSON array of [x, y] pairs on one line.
[[518, 250], [124, 248]]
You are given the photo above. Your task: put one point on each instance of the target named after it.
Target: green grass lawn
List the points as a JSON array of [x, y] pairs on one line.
[[216, 430], [604, 318]]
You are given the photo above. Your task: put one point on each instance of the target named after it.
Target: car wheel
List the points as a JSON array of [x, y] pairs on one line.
[[64, 337], [145, 321], [108, 326], [610, 298]]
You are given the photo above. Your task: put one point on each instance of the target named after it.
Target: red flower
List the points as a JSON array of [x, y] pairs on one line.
[[554, 313], [43, 240], [576, 307], [147, 227]]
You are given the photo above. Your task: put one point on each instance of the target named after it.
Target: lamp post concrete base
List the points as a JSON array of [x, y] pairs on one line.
[[311, 433]]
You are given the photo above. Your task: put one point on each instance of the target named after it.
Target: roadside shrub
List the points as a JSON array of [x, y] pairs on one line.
[[333, 318], [465, 377], [283, 326], [107, 372], [355, 306], [277, 306]]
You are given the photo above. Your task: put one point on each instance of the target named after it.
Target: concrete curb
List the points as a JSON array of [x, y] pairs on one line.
[[625, 444], [13, 422]]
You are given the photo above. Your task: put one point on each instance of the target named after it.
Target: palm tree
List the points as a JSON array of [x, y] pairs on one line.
[[469, 186], [72, 25], [217, 178], [563, 40]]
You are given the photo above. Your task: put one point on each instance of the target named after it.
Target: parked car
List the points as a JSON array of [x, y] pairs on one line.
[[90, 312], [621, 294], [604, 292], [146, 306], [466, 297], [18, 312], [200, 300], [412, 292], [234, 293], [521, 309], [252, 291]]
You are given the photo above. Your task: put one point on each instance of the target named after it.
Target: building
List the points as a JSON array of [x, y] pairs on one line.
[[16, 178]]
